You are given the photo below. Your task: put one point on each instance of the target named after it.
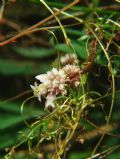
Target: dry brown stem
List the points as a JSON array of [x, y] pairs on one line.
[[27, 31]]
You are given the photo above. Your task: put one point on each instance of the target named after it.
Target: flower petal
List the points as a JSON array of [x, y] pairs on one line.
[[50, 101]]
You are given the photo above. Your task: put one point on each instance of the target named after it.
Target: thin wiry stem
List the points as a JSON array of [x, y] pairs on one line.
[[113, 87]]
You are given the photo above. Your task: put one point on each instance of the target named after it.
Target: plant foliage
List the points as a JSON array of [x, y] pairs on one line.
[[84, 123]]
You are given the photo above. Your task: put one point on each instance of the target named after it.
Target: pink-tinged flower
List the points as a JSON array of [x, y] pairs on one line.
[[50, 101], [39, 90], [58, 79], [73, 74], [54, 81], [69, 59]]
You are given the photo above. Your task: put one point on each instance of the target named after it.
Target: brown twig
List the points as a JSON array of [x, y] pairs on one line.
[[11, 24], [98, 131], [104, 154], [26, 31], [15, 97], [111, 7]]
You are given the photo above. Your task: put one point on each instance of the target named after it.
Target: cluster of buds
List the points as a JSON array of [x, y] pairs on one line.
[[55, 82]]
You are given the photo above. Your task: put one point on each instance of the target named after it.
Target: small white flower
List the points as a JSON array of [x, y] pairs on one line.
[[42, 78], [71, 69], [50, 101], [69, 59], [39, 90], [55, 71]]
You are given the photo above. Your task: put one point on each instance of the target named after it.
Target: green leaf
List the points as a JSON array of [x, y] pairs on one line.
[[101, 59], [12, 114], [10, 107], [9, 120], [115, 155], [81, 52], [79, 155], [75, 32], [35, 52], [7, 139], [79, 48], [11, 67]]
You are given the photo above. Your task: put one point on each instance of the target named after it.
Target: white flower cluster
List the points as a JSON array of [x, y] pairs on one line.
[[55, 83], [69, 59]]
